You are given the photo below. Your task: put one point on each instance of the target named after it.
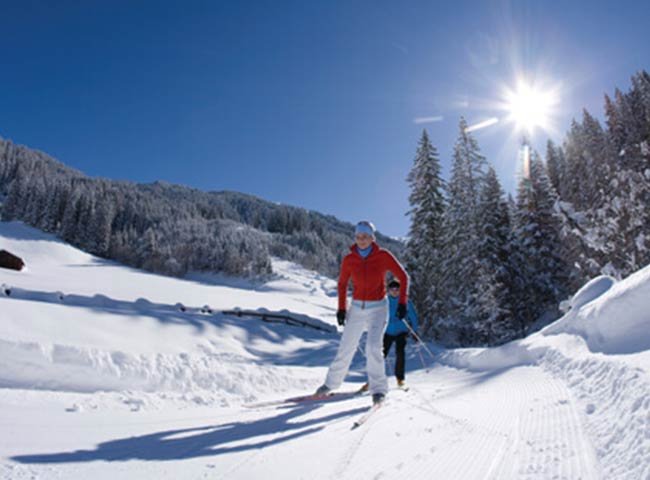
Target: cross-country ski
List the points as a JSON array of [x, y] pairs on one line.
[[366, 416], [333, 396]]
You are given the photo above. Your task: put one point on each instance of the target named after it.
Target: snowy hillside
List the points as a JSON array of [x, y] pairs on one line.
[[104, 375], [74, 322]]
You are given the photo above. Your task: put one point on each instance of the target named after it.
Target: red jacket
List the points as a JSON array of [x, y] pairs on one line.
[[369, 275]]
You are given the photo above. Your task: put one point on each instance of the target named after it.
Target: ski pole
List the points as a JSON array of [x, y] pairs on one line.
[[418, 338], [424, 365]]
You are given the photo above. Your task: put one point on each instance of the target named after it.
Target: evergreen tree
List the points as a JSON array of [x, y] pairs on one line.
[[555, 164], [595, 147], [538, 259], [16, 199], [635, 153], [494, 252], [100, 228], [71, 217], [615, 126], [423, 247], [575, 185], [588, 164], [460, 260]]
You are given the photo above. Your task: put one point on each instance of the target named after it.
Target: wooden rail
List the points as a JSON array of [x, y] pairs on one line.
[[275, 318]]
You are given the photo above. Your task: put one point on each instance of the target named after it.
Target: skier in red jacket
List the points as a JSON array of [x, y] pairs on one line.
[[366, 266]]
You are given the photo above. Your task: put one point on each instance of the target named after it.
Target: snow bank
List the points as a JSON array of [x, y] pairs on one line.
[[223, 377], [610, 317], [618, 321], [601, 349], [592, 290]]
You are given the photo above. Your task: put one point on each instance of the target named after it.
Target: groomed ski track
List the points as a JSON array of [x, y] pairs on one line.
[[517, 423]]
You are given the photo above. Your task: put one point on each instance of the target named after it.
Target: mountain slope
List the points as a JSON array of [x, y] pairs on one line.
[[165, 228]]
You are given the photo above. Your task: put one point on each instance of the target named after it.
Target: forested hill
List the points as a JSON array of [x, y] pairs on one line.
[[166, 228]]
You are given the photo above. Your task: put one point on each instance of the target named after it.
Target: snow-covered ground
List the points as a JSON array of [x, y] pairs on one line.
[[103, 376]]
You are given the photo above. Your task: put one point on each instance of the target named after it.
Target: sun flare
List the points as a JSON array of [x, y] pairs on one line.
[[530, 107]]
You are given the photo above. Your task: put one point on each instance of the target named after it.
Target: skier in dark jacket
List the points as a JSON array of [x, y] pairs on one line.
[[397, 332]]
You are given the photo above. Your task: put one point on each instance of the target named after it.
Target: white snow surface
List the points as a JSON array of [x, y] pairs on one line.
[[104, 376]]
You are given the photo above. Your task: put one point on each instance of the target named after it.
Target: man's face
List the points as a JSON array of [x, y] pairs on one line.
[[393, 291], [363, 240]]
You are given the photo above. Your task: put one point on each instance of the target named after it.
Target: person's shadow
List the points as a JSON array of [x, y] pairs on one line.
[[201, 441]]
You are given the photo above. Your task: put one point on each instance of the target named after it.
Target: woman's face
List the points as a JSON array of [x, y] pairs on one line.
[[363, 240]]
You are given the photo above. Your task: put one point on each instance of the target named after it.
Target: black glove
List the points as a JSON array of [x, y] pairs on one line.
[[401, 311], [414, 337], [340, 317]]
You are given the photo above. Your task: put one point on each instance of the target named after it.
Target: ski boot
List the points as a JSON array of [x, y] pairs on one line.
[[322, 391]]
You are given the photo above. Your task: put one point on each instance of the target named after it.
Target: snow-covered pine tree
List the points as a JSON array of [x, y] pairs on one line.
[[462, 286], [36, 204], [615, 127], [537, 249], [622, 225], [596, 149], [635, 154], [613, 235], [581, 248], [100, 228], [640, 93], [555, 164], [71, 221], [16, 200], [587, 164], [494, 253], [427, 205], [574, 185]]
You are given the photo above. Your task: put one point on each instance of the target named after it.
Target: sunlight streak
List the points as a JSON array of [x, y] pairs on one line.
[[487, 123], [421, 120]]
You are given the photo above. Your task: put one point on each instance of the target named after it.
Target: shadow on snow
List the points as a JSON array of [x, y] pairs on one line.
[[201, 441]]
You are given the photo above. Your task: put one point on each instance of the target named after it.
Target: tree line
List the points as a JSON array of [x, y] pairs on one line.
[[488, 268], [165, 228]]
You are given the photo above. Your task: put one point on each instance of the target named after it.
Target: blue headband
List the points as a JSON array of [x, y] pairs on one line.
[[365, 227]]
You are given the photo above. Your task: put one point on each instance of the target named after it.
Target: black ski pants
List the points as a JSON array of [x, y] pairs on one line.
[[400, 357]]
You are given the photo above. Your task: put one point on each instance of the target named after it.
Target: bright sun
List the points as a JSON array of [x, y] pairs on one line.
[[530, 107]]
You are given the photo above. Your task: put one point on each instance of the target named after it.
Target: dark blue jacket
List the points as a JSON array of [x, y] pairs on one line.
[[395, 325]]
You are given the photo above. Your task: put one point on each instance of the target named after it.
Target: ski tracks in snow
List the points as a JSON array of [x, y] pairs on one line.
[[548, 439], [519, 423], [516, 424]]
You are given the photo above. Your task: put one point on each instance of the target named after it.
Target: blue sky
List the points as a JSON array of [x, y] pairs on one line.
[[315, 104]]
